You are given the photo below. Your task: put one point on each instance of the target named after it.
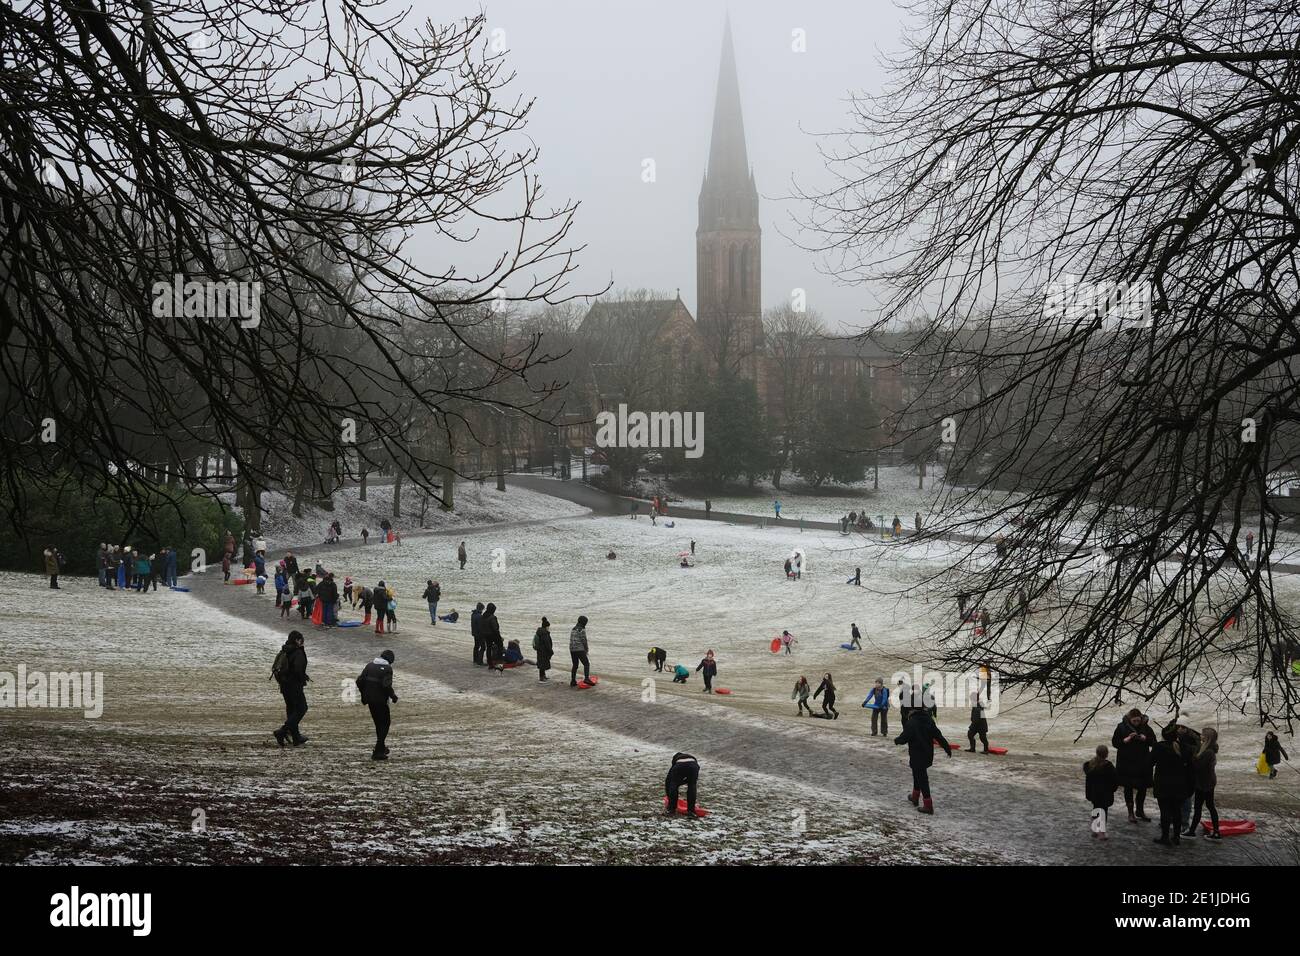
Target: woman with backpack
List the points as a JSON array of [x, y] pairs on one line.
[[1100, 781], [710, 667], [801, 693], [1203, 764], [827, 687]]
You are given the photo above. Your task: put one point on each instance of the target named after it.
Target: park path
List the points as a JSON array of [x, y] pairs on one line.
[[1017, 811]]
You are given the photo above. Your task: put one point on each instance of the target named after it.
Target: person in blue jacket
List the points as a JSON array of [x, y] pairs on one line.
[[680, 674], [878, 702]]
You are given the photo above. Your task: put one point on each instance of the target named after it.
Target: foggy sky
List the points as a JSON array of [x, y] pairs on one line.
[[617, 82]]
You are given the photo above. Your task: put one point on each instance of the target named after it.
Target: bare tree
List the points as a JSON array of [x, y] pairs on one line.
[[291, 156], [1117, 186], [793, 340]]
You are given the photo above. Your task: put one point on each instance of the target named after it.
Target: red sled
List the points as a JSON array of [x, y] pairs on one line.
[[953, 746], [681, 807], [591, 681], [722, 690], [776, 645], [1230, 827], [1000, 751]]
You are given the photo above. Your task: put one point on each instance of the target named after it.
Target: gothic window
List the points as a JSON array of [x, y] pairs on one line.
[[744, 272], [731, 274]]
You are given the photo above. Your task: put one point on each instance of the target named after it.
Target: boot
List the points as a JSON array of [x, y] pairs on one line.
[[379, 755], [927, 808], [279, 736], [912, 797], [299, 740]]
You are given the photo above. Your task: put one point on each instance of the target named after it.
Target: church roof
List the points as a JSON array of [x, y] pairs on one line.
[[646, 312]]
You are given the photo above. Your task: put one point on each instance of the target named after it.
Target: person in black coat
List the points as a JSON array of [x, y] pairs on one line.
[[657, 657], [379, 596], [1169, 784], [292, 679], [978, 723], [545, 649], [685, 769], [920, 733], [1100, 781], [376, 686], [709, 665], [490, 628], [1133, 740], [476, 631], [826, 690], [433, 594]]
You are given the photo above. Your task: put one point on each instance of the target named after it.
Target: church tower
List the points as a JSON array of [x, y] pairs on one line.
[[728, 241]]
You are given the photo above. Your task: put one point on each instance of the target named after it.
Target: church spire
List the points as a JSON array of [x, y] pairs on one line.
[[728, 158]]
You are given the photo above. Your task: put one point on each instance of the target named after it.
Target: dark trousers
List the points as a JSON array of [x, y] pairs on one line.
[[883, 717], [479, 648], [579, 657], [383, 719], [984, 739], [1205, 799], [54, 580], [708, 681], [683, 772], [803, 702], [295, 708], [1141, 798], [1169, 814], [921, 781]]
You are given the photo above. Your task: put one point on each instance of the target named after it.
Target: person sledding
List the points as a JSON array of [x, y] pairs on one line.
[[920, 733], [684, 769]]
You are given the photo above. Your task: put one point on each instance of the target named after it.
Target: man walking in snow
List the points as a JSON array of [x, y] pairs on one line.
[[290, 671], [376, 686]]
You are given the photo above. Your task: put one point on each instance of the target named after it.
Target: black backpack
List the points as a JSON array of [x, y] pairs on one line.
[[280, 666]]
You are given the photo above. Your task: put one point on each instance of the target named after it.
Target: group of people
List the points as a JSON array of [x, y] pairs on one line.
[[374, 684], [126, 568]]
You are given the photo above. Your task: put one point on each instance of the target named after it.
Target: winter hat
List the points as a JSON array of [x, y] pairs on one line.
[[491, 608], [545, 622], [388, 656]]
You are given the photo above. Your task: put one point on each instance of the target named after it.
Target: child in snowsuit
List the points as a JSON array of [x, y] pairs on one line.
[[1100, 781], [680, 674], [710, 667]]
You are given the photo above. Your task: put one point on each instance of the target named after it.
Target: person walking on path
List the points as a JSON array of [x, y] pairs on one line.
[[543, 646], [878, 703], [365, 536], [776, 506], [476, 632], [1203, 766], [1100, 781], [1169, 784], [710, 667], [684, 769], [433, 594], [578, 651], [979, 724], [461, 556], [1133, 740], [376, 685], [802, 691], [920, 734], [827, 687], [855, 637], [1274, 753], [290, 672]]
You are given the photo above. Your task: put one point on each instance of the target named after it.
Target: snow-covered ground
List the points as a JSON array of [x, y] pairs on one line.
[[476, 504], [181, 767], [483, 778]]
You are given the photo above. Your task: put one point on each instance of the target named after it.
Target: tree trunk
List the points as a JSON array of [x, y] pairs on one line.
[[365, 472], [920, 474], [448, 489], [397, 496], [500, 459]]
